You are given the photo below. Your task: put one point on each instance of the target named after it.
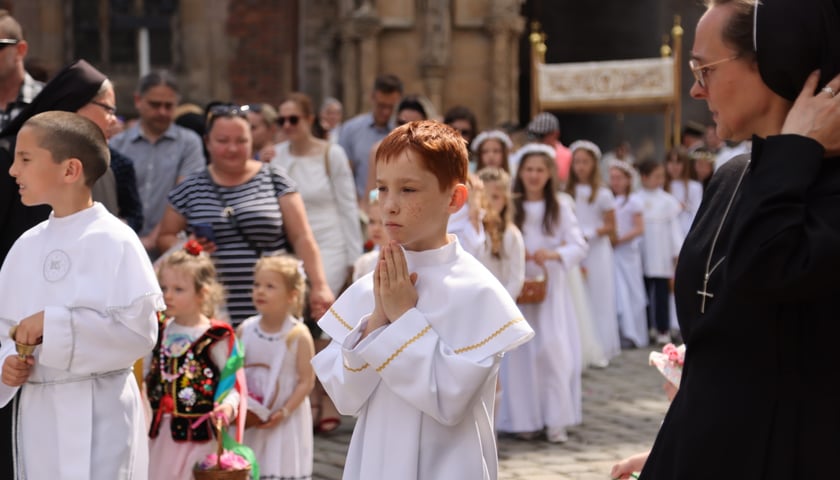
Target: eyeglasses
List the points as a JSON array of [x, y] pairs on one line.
[[110, 110], [292, 119], [6, 42], [700, 71], [224, 110]]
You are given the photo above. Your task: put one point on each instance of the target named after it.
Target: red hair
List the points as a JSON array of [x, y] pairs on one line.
[[440, 147]]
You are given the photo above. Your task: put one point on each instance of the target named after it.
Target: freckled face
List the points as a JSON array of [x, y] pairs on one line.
[[414, 209]]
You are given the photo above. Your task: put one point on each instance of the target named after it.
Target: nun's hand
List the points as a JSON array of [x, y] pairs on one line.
[[817, 115]]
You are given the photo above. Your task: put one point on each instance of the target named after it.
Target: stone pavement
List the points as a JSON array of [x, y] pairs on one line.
[[623, 406]]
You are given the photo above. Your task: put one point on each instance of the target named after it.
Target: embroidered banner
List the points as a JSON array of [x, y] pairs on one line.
[[614, 84]]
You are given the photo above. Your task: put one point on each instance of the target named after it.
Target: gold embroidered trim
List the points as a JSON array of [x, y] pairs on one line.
[[491, 337], [356, 370], [405, 345], [340, 320]]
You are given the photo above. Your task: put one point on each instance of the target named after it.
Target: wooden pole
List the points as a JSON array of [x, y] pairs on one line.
[[676, 36]]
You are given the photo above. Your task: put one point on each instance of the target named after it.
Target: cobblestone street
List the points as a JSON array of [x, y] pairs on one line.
[[623, 406]]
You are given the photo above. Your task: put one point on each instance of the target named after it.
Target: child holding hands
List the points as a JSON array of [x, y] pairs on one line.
[[79, 286], [278, 352], [419, 341]]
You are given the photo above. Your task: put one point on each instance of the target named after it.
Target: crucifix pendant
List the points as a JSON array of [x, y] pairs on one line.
[[704, 294]]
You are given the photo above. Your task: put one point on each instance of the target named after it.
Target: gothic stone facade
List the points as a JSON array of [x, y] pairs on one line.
[[456, 52]]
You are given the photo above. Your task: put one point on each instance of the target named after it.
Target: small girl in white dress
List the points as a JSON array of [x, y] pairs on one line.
[[595, 210], [541, 379], [629, 276], [278, 351], [678, 183], [503, 252]]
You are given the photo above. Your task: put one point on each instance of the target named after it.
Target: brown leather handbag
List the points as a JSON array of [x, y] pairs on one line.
[[534, 289]]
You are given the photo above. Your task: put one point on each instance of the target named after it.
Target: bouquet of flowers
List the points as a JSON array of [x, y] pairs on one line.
[[669, 362]]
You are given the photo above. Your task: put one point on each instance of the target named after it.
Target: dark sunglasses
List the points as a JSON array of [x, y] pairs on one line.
[[292, 119], [6, 42]]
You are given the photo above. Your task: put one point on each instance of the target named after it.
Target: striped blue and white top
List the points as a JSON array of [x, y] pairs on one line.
[[254, 207]]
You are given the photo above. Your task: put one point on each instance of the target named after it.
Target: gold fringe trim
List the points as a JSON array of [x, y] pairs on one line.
[[356, 370], [340, 320], [405, 345], [492, 336]]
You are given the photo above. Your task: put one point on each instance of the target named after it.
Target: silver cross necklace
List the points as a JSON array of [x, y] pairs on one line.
[[705, 294]]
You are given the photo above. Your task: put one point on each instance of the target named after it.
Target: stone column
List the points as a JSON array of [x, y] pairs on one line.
[[437, 35], [359, 56], [505, 25]]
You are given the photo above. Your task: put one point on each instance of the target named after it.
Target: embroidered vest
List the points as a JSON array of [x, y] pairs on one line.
[[189, 395]]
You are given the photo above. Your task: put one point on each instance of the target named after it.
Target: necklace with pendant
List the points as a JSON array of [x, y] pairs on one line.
[[705, 294]]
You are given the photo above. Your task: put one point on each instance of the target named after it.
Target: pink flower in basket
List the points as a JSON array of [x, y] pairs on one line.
[[228, 461], [674, 354]]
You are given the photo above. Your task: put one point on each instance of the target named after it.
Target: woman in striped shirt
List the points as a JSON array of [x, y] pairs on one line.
[[240, 209]]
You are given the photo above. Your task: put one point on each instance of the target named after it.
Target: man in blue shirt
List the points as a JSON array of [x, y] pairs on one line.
[[360, 133]]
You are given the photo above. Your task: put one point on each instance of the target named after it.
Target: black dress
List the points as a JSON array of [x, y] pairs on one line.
[[759, 395]]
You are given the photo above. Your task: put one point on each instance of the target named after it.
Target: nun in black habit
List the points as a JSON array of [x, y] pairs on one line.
[[757, 285]]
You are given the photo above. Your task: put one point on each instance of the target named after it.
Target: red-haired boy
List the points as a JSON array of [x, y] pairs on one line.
[[417, 344]]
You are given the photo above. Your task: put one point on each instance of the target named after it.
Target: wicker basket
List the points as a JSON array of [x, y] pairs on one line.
[[217, 473]]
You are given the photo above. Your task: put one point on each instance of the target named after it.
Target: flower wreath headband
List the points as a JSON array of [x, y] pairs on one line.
[[623, 166], [536, 149], [586, 145], [491, 135]]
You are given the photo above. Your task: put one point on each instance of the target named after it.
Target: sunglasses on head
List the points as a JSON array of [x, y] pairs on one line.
[[6, 42], [292, 119], [225, 110]]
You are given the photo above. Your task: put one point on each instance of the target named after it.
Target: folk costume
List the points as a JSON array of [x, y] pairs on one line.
[[423, 386], [185, 369], [92, 278]]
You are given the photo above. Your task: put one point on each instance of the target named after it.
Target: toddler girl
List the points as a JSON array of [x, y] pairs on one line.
[[278, 349], [186, 365]]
